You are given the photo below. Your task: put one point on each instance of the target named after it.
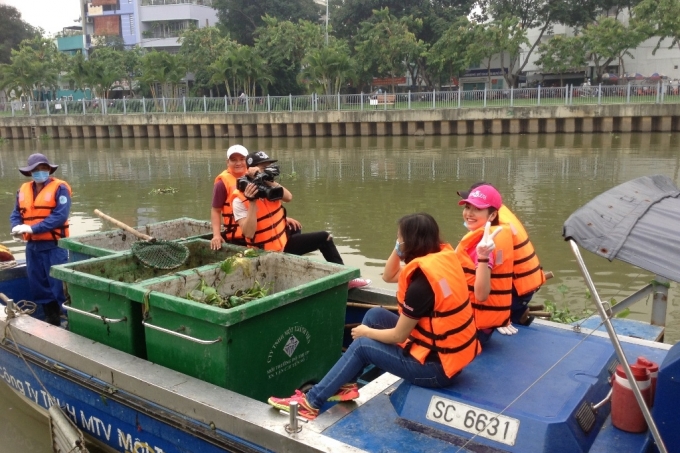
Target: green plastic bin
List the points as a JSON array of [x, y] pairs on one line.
[[269, 346], [99, 307], [107, 243]]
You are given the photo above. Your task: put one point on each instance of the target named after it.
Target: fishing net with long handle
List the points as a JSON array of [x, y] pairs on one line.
[[160, 254], [155, 253]]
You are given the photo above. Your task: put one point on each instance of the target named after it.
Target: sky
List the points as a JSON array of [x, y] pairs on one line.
[[51, 15]]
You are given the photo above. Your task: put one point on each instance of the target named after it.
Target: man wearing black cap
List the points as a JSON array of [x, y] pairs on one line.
[[40, 215], [264, 223]]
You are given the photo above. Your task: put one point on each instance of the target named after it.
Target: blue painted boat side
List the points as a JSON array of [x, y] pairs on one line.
[[100, 413]]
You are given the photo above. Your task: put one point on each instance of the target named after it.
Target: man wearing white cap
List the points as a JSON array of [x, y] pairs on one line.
[[40, 215], [222, 212]]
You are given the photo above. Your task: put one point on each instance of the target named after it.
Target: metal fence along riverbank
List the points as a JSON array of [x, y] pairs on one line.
[[523, 97], [621, 108]]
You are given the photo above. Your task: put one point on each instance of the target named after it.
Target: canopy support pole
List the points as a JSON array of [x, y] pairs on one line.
[[619, 350], [659, 301]]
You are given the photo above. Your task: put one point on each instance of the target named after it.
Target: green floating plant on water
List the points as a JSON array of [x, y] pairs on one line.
[[163, 190], [565, 316], [207, 294]]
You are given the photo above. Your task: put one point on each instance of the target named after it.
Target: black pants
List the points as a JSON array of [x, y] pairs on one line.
[[301, 243]]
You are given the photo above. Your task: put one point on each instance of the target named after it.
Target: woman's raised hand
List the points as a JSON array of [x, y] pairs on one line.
[[487, 245]]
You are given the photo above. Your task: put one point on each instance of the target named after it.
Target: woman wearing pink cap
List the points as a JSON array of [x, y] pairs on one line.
[[486, 254]]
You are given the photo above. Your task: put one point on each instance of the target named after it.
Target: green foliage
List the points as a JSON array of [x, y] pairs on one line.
[[200, 47], [608, 40], [164, 190], [162, 72], [210, 295], [564, 315], [660, 18], [561, 54], [243, 17], [326, 69], [35, 65], [13, 30], [283, 45], [387, 46], [347, 16]]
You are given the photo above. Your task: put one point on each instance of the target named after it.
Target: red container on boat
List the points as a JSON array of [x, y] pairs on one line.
[[626, 414], [653, 368]]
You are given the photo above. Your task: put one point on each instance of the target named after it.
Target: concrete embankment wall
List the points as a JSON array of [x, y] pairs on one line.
[[502, 120]]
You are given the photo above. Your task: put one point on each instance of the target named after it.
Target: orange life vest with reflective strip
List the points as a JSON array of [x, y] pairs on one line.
[[495, 310], [231, 227], [450, 329], [527, 270], [270, 231], [34, 211]]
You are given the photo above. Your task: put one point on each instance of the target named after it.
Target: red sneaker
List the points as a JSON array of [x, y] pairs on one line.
[[304, 408], [359, 282], [347, 392]]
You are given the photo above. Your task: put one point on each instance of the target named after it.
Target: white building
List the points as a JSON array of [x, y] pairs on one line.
[[148, 23], [665, 62]]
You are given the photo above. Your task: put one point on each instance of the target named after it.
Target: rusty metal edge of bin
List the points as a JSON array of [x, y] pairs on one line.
[[227, 317]]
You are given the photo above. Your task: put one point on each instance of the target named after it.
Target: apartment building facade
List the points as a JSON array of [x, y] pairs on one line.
[[153, 24]]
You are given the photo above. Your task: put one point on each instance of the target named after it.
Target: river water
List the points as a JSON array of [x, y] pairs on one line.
[[357, 188]]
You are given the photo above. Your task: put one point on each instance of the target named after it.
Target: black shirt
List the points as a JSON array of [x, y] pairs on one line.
[[419, 299]]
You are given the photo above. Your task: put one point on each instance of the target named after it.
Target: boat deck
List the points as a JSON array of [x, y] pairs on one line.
[[540, 377]]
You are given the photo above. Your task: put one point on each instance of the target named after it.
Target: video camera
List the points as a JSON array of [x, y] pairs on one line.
[[260, 179]]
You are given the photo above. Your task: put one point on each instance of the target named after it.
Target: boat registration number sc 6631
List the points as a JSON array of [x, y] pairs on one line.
[[473, 420]]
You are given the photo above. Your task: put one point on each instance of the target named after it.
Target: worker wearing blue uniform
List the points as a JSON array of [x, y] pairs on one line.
[[40, 215]]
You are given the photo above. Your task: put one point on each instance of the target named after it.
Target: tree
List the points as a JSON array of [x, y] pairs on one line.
[[225, 70], [13, 30], [105, 68], [132, 66], [449, 56], [200, 47], [386, 47], [326, 69], [660, 18], [484, 46], [608, 40], [283, 44], [36, 65], [561, 54], [242, 17], [538, 14], [346, 16], [78, 73]]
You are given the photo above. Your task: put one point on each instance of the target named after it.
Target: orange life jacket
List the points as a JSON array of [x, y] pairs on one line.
[[450, 329], [495, 310], [231, 228], [34, 211], [528, 273], [270, 231]]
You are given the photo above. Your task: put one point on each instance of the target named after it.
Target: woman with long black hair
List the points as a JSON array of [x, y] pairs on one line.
[[431, 339]]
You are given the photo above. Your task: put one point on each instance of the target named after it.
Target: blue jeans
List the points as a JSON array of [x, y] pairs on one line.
[[519, 305], [387, 357]]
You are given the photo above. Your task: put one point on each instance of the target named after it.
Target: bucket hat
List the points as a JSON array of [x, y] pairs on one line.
[[33, 161]]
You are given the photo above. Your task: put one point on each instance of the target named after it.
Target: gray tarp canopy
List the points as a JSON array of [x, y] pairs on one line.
[[637, 222]]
